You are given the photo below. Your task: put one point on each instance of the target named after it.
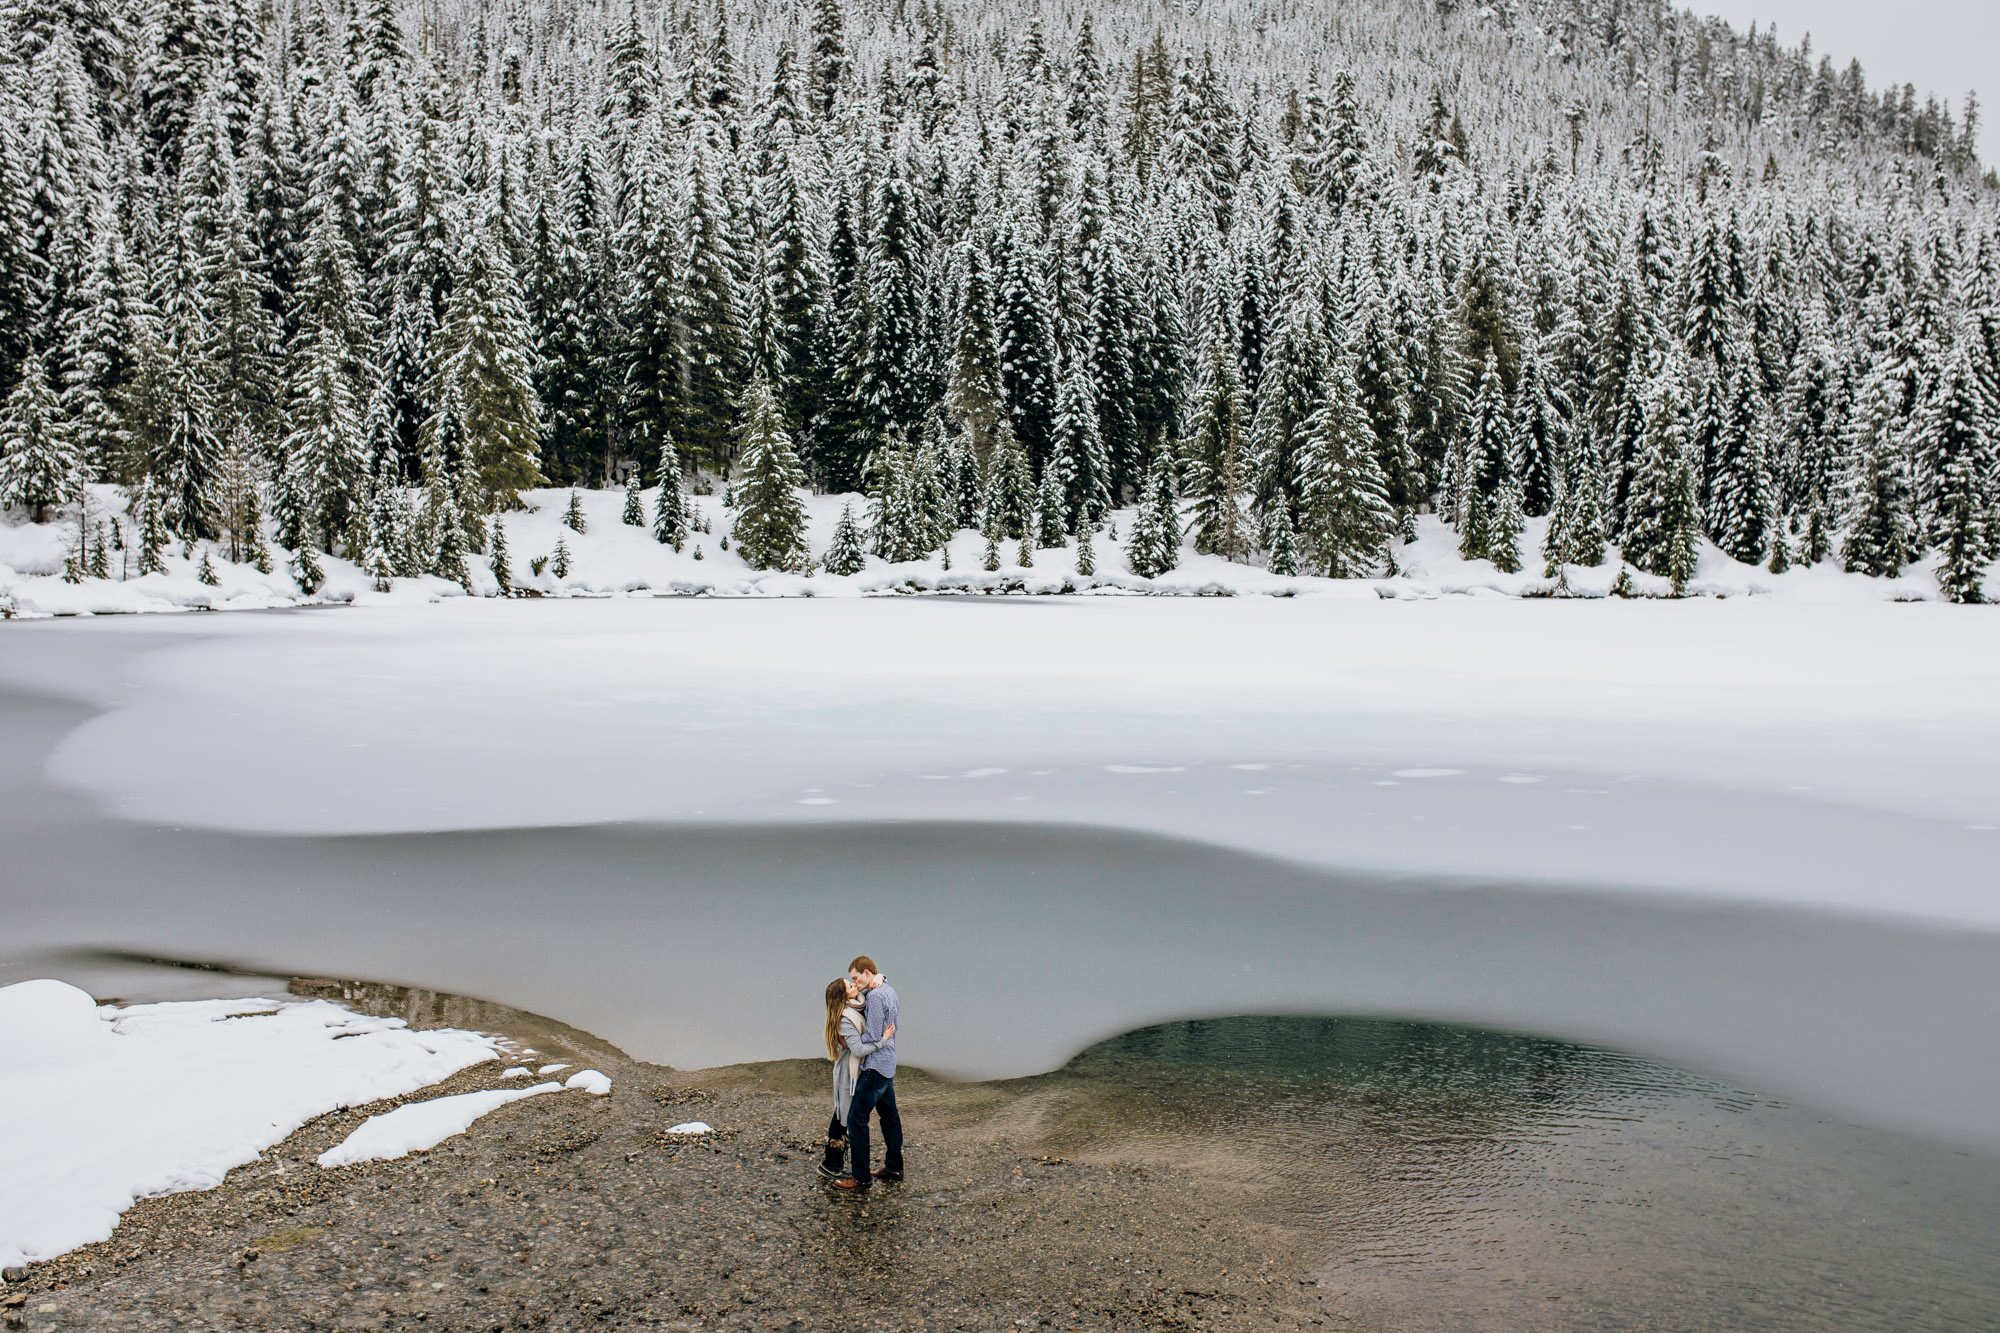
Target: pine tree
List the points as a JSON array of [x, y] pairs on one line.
[[1344, 517], [844, 554], [1050, 507], [709, 305], [1155, 545], [1215, 459], [497, 561], [990, 558], [573, 516], [239, 502], [1281, 540], [975, 391], [1503, 538], [149, 518], [1877, 494], [635, 508], [1077, 450], [306, 570], [1487, 468], [39, 453], [829, 63], [1663, 527], [441, 517], [770, 527], [483, 361], [559, 559], [1541, 433], [1575, 535], [1742, 500], [1086, 558], [671, 520], [1010, 490], [1289, 393], [1027, 345], [1954, 431]]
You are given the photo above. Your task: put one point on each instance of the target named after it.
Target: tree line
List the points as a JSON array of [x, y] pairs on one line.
[[357, 277]]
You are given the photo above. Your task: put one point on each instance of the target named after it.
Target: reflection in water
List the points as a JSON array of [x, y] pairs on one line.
[[1459, 1178]]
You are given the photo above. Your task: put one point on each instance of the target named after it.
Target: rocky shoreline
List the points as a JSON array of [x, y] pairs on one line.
[[574, 1212]]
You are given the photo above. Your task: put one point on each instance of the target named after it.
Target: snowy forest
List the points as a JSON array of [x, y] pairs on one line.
[[304, 279]]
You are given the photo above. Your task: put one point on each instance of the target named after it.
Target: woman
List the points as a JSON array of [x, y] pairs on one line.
[[846, 1046]]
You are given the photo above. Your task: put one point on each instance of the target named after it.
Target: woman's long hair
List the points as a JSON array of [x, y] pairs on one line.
[[836, 1002]]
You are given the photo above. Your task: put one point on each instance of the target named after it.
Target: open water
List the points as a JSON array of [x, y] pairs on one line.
[[1459, 1178]]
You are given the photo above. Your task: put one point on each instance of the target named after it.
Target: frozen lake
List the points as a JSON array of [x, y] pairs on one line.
[[1749, 840]]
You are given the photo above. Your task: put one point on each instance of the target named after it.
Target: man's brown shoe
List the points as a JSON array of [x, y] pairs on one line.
[[891, 1176], [848, 1183]]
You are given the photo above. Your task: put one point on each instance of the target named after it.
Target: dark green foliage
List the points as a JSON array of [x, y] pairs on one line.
[[770, 528]]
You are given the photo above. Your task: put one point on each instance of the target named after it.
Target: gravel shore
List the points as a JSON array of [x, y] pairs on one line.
[[568, 1211]]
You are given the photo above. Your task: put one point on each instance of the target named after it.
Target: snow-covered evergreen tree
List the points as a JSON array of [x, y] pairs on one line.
[[1344, 516], [40, 457], [670, 507], [1155, 544], [484, 362], [1215, 453], [1879, 503], [770, 528], [635, 507], [844, 554], [1663, 525]]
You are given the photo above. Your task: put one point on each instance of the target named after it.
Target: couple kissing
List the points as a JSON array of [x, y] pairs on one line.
[[861, 1011]]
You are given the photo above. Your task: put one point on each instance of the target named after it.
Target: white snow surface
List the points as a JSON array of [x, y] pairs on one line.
[[100, 1107], [1838, 754], [614, 559], [593, 1081], [420, 1126], [692, 1127]]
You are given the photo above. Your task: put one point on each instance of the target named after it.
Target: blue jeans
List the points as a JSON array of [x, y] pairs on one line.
[[872, 1092]]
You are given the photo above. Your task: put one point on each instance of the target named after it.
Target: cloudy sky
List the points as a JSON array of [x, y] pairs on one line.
[[1942, 46]]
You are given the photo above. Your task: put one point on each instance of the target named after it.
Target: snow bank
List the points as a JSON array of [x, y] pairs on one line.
[[100, 1107], [692, 1127], [611, 558], [420, 1126]]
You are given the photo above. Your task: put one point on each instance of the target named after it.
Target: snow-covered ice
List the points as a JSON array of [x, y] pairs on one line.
[[593, 1081], [1818, 745], [692, 1127], [101, 1107], [420, 1126]]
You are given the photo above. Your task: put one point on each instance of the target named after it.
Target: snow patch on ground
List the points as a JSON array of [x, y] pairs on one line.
[[592, 1081], [101, 1107], [420, 1126], [611, 558]]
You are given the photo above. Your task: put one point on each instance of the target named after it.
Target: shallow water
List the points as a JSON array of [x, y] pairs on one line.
[[1459, 1178]]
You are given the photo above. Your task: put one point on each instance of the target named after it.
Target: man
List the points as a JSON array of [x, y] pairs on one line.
[[875, 1089]]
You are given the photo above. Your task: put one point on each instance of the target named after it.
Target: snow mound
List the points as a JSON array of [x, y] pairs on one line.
[[590, 1081], [692, 1127], [420, 1126], [101, 1107]]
